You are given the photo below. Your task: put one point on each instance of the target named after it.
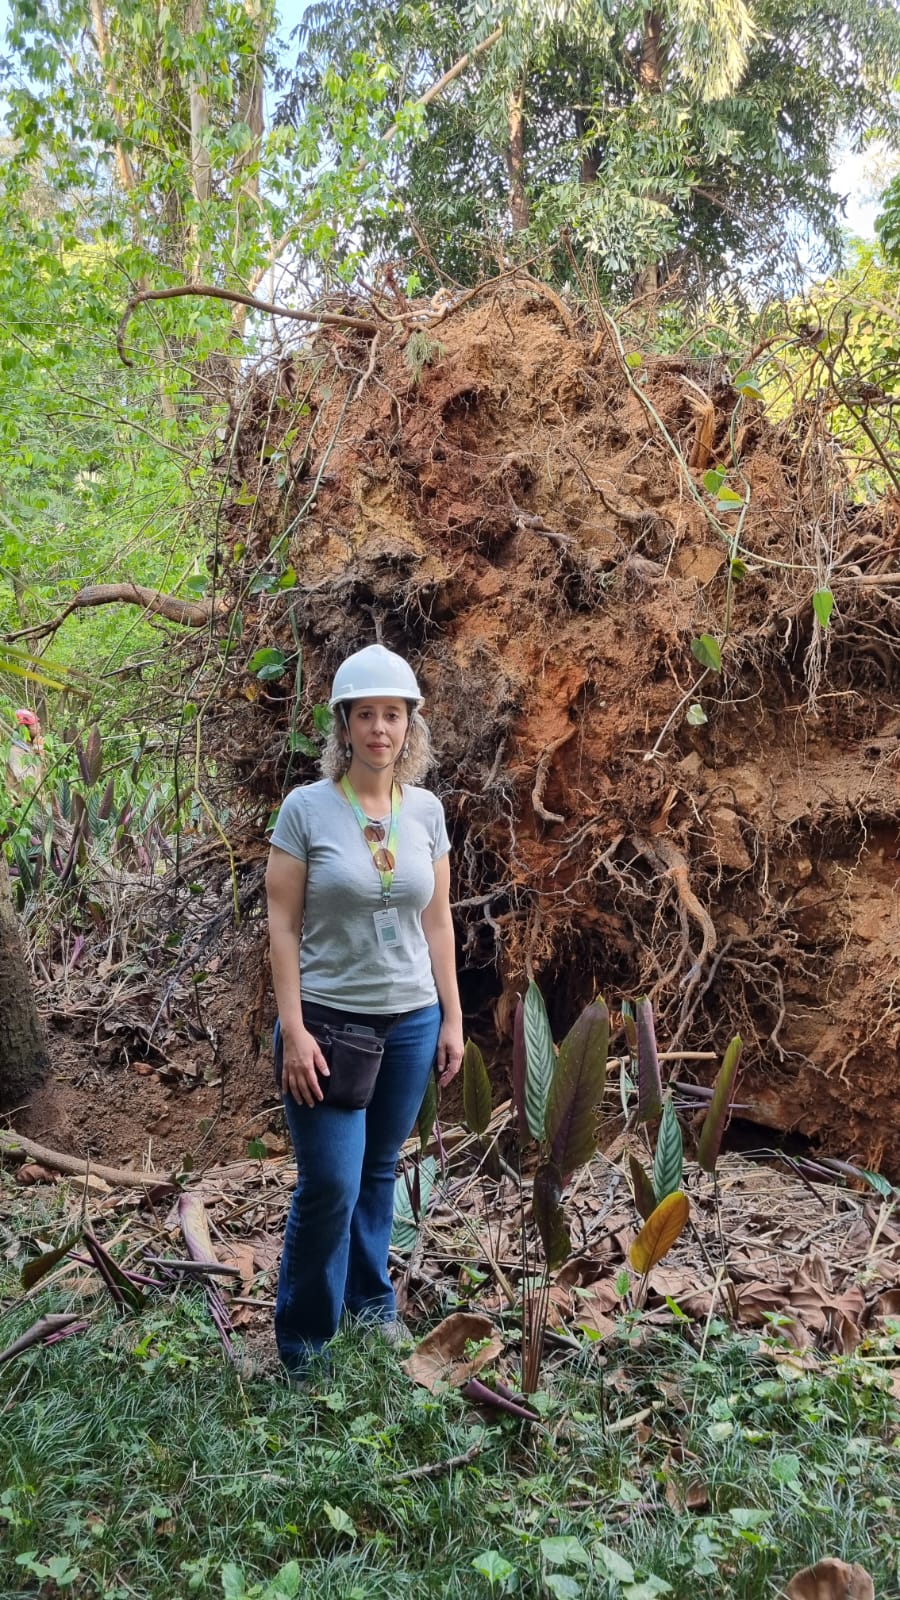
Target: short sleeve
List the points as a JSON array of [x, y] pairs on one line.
[[440, 841], [291, 831]]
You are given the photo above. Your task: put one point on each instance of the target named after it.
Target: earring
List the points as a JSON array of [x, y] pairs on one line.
[[404, 752]]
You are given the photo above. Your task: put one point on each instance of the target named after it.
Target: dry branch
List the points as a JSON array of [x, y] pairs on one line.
[[208, 291], [187, 613]]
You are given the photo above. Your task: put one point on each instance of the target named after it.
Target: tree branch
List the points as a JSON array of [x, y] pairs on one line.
[[187, 613], [207, 291]]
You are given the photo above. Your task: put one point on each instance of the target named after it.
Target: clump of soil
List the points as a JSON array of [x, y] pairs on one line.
[[525, 517]]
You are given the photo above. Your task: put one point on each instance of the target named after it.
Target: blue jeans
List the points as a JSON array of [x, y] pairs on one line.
[[336, 1242]]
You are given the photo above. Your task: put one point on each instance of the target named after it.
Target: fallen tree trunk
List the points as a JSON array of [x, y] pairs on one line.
[[14, 1144]]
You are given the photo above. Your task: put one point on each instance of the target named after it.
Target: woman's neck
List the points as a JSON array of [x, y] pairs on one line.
[[373, 790]]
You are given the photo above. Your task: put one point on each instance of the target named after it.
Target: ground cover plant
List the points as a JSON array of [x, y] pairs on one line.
[[135, 1461]]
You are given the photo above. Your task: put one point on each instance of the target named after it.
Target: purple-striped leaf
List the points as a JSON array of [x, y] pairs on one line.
[[649, 1081], [576, 1089]]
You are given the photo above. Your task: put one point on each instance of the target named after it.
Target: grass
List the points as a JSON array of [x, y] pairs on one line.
[[134, 1463]]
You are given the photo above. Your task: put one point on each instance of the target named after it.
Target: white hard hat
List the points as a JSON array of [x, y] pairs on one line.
[[374, 673]]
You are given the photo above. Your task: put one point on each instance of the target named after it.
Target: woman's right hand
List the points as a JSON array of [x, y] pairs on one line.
[[303, 1065]]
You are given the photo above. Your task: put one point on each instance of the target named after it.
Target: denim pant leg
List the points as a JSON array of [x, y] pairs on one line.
[[329, 1145], [408, 1059]]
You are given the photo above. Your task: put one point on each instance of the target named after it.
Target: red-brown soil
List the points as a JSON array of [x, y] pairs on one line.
[[515, 519]]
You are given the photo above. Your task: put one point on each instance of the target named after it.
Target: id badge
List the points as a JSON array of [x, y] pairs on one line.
[[387, 927]]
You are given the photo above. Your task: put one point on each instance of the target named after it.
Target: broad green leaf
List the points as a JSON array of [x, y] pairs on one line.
[[285, 1585], [615, 1565], [539, 1060], [576, 1089], [747, 384], [644, 1195], [713, 479], [649, 1081], [823, 605], [300, 744], [476, 1089], [549, 1216], [634, 359], [646, 1589], [705, 649], [562, 1587], [427, 1114], [738, 569], [696, 716], [659, 1233], [233, 1585], [405, 1224], [267, 663], [518, 1069], [710, 1141], [493, 1566], [564, 1551], [728, 500], [668, 1159], [338, 1518]]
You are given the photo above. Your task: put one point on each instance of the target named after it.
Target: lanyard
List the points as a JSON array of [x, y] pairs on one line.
[[385, 858]]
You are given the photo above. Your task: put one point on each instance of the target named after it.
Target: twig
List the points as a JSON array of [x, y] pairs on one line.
[[207, 291], [437, 1469]]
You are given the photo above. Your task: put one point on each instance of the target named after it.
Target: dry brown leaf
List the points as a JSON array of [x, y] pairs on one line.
[[690, 1496], [266, 1252], [888, 1304], [235, 1253], [440, 1357], [756, 1299], [831, 1580], [31, 1172], [816, 1268]]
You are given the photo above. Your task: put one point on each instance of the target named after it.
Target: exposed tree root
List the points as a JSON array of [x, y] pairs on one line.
[[187, 613]]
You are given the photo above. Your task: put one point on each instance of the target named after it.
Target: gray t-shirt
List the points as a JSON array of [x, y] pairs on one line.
[[341, 961]]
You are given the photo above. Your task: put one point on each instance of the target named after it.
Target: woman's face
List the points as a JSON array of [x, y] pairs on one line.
[[378, 730]]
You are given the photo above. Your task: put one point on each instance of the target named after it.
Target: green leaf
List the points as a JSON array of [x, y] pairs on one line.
[[562, 1587], [644, 1193], [705, 649], [710, 1141], [634, 359], [616, 1566], [405, 1225], [696, 716], [549, 1216], [823, 605], [713, 479], [728, 500], [285, 1585], [427, 1114], [233, 1586], [257, 1150], [540, 1059], [339, 1519], [322, 719], [288, 579], [649, 1081], [267, 663], [576, 1089], [647, 1589], [476, 1089], [747, 384], [668, 1159], [62, 1571], [300, 744], [493, 1566], [564, 1551]]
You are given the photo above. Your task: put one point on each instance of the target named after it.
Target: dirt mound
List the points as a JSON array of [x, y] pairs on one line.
[[524, 513]]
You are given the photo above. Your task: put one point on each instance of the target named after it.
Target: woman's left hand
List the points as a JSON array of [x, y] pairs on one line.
[[449, 1052]]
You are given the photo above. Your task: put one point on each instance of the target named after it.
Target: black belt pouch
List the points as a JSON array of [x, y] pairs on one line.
[[353, 1060]]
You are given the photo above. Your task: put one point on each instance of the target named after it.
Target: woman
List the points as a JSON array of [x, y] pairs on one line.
[[359, 867]]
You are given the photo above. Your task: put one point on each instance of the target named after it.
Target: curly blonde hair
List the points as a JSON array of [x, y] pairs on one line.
[[411, 767]]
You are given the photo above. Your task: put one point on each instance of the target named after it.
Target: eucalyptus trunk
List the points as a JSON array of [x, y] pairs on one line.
[[515, 159], [23, 1057]]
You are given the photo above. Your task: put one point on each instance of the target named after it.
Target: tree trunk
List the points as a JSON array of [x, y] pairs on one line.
[[515, 159], [23, 1057], [650, 69]]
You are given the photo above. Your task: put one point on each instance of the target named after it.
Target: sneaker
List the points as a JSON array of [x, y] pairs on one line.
[[394, 1332]]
